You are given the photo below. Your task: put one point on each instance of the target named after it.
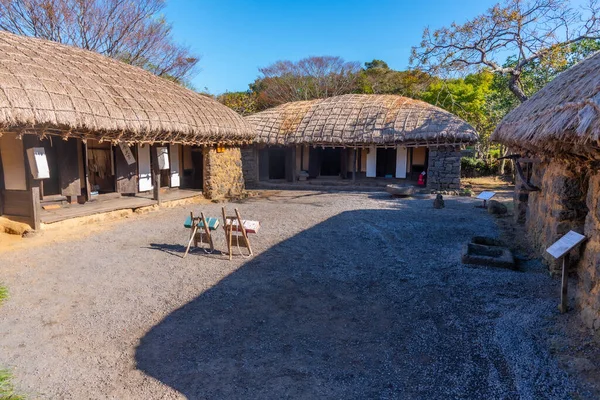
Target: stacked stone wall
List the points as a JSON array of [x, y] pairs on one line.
[[250, 166], [588, 268], [443, 170], [223, 175], [556, 209]]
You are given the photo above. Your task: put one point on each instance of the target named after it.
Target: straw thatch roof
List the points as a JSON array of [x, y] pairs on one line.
[[360, 120], [50, 88], [564, 116]]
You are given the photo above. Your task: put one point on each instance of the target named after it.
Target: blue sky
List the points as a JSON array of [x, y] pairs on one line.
[[236, 37]]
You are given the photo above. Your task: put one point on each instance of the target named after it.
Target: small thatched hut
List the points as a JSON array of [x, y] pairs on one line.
[[364, 136], [75, 124], [557, 135]]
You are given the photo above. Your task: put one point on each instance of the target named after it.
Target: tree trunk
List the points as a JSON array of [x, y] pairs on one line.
[[514, 84]]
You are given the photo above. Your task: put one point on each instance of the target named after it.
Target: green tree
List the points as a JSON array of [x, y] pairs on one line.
[[244, 103], [535, 32], [378, 78], [469, 99]]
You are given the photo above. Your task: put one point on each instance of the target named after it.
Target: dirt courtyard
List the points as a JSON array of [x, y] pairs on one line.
[[349, 295]]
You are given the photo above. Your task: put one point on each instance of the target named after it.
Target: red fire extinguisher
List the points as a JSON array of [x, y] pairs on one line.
[[421, 181]]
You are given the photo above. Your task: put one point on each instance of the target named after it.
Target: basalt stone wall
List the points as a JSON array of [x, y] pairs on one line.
[[443, 171], [559, 206], [223, 175], [588, 268], [250, 165]]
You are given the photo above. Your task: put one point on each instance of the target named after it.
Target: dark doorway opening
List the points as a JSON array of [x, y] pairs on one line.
[[100, 167], [198, 169], [386, 163], [51, 186], [331, 161], [277, 163]]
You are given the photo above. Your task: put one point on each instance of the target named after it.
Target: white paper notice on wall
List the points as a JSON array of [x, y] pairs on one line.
[[565, 244], [127, 153], [163, 157], [38, 163]]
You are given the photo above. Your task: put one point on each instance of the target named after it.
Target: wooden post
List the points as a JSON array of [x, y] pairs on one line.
[[156, 174], [354, 165], [564, 298], [35, 207]]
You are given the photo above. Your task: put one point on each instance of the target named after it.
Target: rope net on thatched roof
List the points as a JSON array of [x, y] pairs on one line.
[[564, 116], [360, 120], [50, 88]]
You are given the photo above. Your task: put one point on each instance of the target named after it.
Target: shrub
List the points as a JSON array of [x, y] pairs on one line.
[[472, 167]]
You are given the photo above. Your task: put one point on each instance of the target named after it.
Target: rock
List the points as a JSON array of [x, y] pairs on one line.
[[577, 365], [438, 202], [496, 208]]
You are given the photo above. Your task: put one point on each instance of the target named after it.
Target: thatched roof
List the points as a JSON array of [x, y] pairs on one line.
[[360, 120], [50, 88], [564, 116]]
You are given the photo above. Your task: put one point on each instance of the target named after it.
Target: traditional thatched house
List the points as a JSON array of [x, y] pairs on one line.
[[557, 135], [75, 124], [364, 136]]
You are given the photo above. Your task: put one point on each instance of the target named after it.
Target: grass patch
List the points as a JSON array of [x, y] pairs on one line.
[[7, 391], [3, 293]]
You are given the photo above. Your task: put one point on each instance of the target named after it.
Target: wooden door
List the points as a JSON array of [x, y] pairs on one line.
[[126, 173], [68, 167]]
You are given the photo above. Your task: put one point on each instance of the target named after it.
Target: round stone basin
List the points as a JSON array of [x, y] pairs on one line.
[[400, 190]]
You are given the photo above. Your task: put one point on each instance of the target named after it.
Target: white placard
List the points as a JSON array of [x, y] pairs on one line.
[[163, 157], [486, 195], [565, 244], [127, 153], [38, 163]]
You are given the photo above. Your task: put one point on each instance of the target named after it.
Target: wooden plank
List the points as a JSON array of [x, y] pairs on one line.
[[17, 202], [68, 167], [126, 174]]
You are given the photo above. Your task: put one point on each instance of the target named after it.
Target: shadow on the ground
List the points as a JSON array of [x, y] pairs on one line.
[[179, 249], [350, 308]]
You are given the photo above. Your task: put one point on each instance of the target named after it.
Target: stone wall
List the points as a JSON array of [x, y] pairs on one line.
[[223, 175], [554, 210], [443, 170], [588, 268], [569, 199], [250, 165]]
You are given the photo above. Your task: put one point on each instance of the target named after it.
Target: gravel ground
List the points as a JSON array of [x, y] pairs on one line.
[[349, 295]]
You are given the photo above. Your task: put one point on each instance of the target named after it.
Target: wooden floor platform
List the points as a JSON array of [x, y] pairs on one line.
[[112, 203]]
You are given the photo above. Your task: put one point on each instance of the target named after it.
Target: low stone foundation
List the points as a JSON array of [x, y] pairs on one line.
[[223, 175], [443, 170]]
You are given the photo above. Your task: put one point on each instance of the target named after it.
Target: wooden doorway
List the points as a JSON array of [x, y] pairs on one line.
[[386, 163], [101, 167], [331, 161], [197, 168]]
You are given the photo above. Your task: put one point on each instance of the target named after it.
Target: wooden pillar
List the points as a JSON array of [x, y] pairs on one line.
[[564, 298], [354, 165], [155, 174], [35, 208]]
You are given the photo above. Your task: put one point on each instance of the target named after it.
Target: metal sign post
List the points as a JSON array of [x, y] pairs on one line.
[[560, 249], [485, 196]]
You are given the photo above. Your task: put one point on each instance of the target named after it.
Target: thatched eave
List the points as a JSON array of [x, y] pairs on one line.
[[360, 121], [50, 88]]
